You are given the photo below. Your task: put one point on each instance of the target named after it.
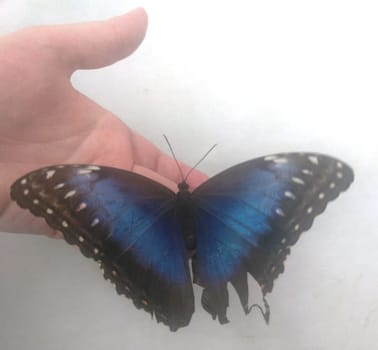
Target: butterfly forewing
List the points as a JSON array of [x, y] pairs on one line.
[[250, 215], [125, 221]]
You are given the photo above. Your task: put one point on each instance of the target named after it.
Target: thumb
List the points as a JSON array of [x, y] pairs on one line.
[[101, 43]]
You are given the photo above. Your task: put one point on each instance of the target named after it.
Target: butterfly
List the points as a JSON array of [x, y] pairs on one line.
[[147, 238]]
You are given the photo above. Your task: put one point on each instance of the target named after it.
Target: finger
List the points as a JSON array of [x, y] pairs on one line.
[[148, 156], [98, 44]]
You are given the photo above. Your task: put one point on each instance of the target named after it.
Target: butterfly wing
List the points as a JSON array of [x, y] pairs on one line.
[[250, 215], [124, 221]]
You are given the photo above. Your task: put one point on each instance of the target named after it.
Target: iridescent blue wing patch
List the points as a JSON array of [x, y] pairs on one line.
[[249, 216], [124, 221]]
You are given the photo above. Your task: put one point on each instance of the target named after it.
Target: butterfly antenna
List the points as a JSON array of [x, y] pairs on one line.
[[195, 166], [174, 157]]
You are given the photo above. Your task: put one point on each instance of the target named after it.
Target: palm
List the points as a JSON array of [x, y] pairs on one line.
[[44, 120]]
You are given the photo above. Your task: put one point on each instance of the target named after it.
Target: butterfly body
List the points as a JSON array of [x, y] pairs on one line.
[[239, 222], [186, 213]]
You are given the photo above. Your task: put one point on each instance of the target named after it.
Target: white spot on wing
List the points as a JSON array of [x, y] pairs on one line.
[[81, 239], [49, 211], [309, 210], [58, 186], [296, 227], [95, 222], [50, 174], [64, 223], [290, 195], [70, 194], [35, 201], [280, 160], [339, 175], [332, 185], [280, 212], [298, 180], [339, 165], [313, 159], [24, 181], [84, 171], [268, 158], [26, 192], [321, 195], [93, 167], [81, 206], [306, 171], [95, 250]]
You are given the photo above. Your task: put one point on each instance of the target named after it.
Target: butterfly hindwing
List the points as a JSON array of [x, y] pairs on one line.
[[250, 215], [124, 221]]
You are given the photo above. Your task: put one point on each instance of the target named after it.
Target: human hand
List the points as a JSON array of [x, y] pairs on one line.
[[45, 121]]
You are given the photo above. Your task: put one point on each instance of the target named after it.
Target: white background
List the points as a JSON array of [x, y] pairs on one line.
[[256, 77]]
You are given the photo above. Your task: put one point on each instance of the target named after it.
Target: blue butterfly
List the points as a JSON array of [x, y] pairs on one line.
[[241, 221]]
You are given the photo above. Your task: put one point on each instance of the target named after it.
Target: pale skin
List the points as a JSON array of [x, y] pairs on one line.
[[45, 121]]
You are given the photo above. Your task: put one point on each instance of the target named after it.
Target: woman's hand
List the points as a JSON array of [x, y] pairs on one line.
[[45, 121]]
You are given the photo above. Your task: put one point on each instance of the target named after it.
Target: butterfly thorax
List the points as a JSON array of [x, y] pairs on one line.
[[185, 211]]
